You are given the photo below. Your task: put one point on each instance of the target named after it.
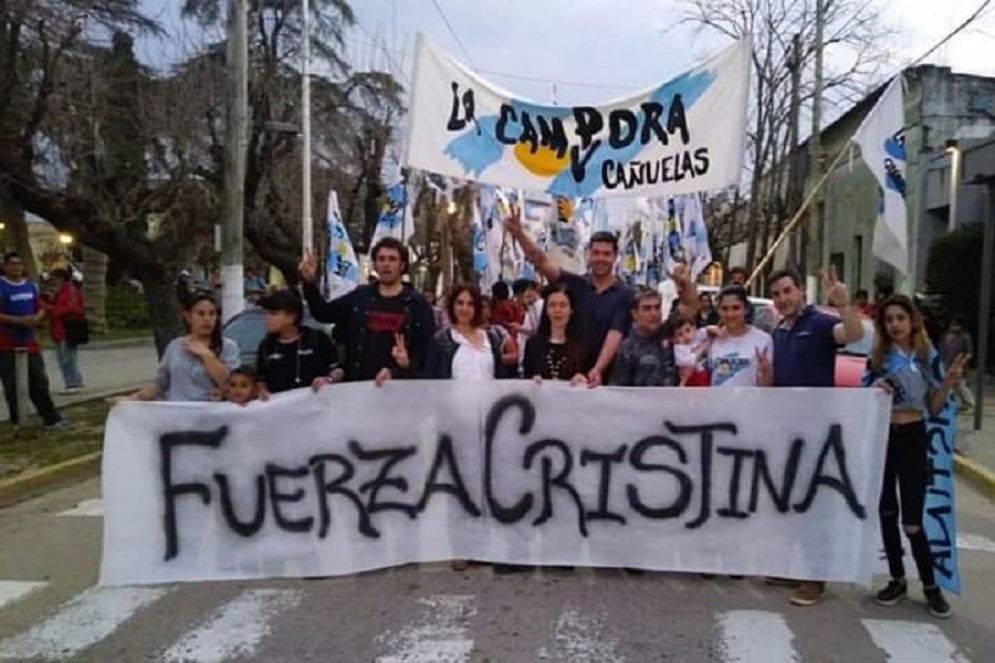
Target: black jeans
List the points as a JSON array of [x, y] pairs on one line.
[[37, 387], [906, 468]]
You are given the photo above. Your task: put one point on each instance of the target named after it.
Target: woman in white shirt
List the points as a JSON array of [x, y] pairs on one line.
[[740, 355], [466, 350]]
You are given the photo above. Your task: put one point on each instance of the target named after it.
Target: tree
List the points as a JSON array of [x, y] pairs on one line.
[[52, 128], [853, 41]]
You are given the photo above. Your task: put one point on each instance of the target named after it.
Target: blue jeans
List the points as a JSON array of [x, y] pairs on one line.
[[69, 364]]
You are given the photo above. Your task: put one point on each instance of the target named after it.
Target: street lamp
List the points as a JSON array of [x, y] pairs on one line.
[[953, 149], [65, 239]]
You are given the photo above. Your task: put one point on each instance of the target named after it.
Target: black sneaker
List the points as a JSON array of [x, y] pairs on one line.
[[896, 591], [938, 606]]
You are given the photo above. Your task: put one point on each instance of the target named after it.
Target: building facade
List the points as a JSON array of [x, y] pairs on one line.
[[945, 112]]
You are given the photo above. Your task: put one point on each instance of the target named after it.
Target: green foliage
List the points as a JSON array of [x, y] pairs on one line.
[[127, 308], [953, 270]]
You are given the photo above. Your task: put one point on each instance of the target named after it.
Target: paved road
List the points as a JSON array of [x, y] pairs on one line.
[[50, 610], [105, 370]]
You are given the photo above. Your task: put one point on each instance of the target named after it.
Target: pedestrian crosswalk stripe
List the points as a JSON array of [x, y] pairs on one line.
[[92, 508], [236, 629], [442, 637], [976, 542], [14, 590], [582, 639], [80, 623], [913, 642], [756, 636]]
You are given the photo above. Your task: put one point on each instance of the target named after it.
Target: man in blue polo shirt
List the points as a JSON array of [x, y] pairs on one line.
[[806, 341], [21, 312], [603, 302]]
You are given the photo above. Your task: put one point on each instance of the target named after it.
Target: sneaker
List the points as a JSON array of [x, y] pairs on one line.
[[895, 592], [938, 606], [808, 593], [61, 424]]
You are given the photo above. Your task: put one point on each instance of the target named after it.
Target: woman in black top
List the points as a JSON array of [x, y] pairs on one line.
[[292, 355], [556, 351]]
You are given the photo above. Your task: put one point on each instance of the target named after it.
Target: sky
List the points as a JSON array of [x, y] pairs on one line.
[[589, 51]]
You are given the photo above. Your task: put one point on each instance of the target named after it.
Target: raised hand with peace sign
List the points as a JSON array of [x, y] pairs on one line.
[[836, 291], [765, 368], [955, 373], [400, 351]]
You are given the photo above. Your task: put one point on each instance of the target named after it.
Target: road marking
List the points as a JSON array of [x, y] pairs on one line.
[[442, 636], [15, 590], [966, 541], [912, 642], [92, 508], [235, 629], [82, 622], [756, 636], [581, 639]]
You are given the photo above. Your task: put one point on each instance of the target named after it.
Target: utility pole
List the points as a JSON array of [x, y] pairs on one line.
[[307, 217], [797, 245], [236, 145], [817, 252]]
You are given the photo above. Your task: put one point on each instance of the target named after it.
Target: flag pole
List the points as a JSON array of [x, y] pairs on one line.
[[307, 221], [798, 215]]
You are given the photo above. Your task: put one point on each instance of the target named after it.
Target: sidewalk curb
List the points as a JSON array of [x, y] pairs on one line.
[[979, 476], [37, 482], [137, 342]]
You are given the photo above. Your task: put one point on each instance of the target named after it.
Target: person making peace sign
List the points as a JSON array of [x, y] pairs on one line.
[[904, 365]]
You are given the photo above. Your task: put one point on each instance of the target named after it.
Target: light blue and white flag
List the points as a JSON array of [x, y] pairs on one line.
[[696, 248], [881, 138], [341, 266], [391, 223]]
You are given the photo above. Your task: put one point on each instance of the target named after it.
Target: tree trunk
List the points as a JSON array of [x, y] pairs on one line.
[[95, 289], [15, 235], [160, 295]]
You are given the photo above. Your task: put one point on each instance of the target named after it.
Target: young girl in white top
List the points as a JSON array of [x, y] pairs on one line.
[[741, 355]]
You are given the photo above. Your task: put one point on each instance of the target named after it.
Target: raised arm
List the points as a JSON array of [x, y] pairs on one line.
[[542, 262], [333, 312]]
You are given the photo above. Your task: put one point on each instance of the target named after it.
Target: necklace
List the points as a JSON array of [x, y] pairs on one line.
[[554, 363]]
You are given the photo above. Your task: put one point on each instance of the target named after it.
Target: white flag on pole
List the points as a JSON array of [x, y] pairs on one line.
[[696, 247], [341, 266], [881, 138]]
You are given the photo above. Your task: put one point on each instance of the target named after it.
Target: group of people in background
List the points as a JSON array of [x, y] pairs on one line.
[[25, 307]]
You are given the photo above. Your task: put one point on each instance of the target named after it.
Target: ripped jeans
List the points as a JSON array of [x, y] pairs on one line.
[[906, 468]]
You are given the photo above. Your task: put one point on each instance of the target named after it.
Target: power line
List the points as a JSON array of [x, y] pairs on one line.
[[960, 28], [503, 74], [459, 42]]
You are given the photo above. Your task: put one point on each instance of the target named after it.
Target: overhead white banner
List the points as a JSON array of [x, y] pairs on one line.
[[683, 136], [767, 482]]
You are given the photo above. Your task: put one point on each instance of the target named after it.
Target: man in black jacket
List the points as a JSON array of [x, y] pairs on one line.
[[386, 327]]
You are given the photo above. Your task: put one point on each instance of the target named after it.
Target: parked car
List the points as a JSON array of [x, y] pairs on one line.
[[852, 359], [248, 329]]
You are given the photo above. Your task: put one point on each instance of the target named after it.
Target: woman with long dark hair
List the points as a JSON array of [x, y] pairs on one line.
[[904, 364], [742, 355], [466, 350], [193, 366], [556, 351]]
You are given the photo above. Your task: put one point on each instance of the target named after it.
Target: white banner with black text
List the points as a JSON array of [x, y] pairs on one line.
[[770, 482], [682, 136]]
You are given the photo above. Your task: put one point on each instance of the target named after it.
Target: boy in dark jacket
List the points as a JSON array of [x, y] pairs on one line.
[[369, 318]]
